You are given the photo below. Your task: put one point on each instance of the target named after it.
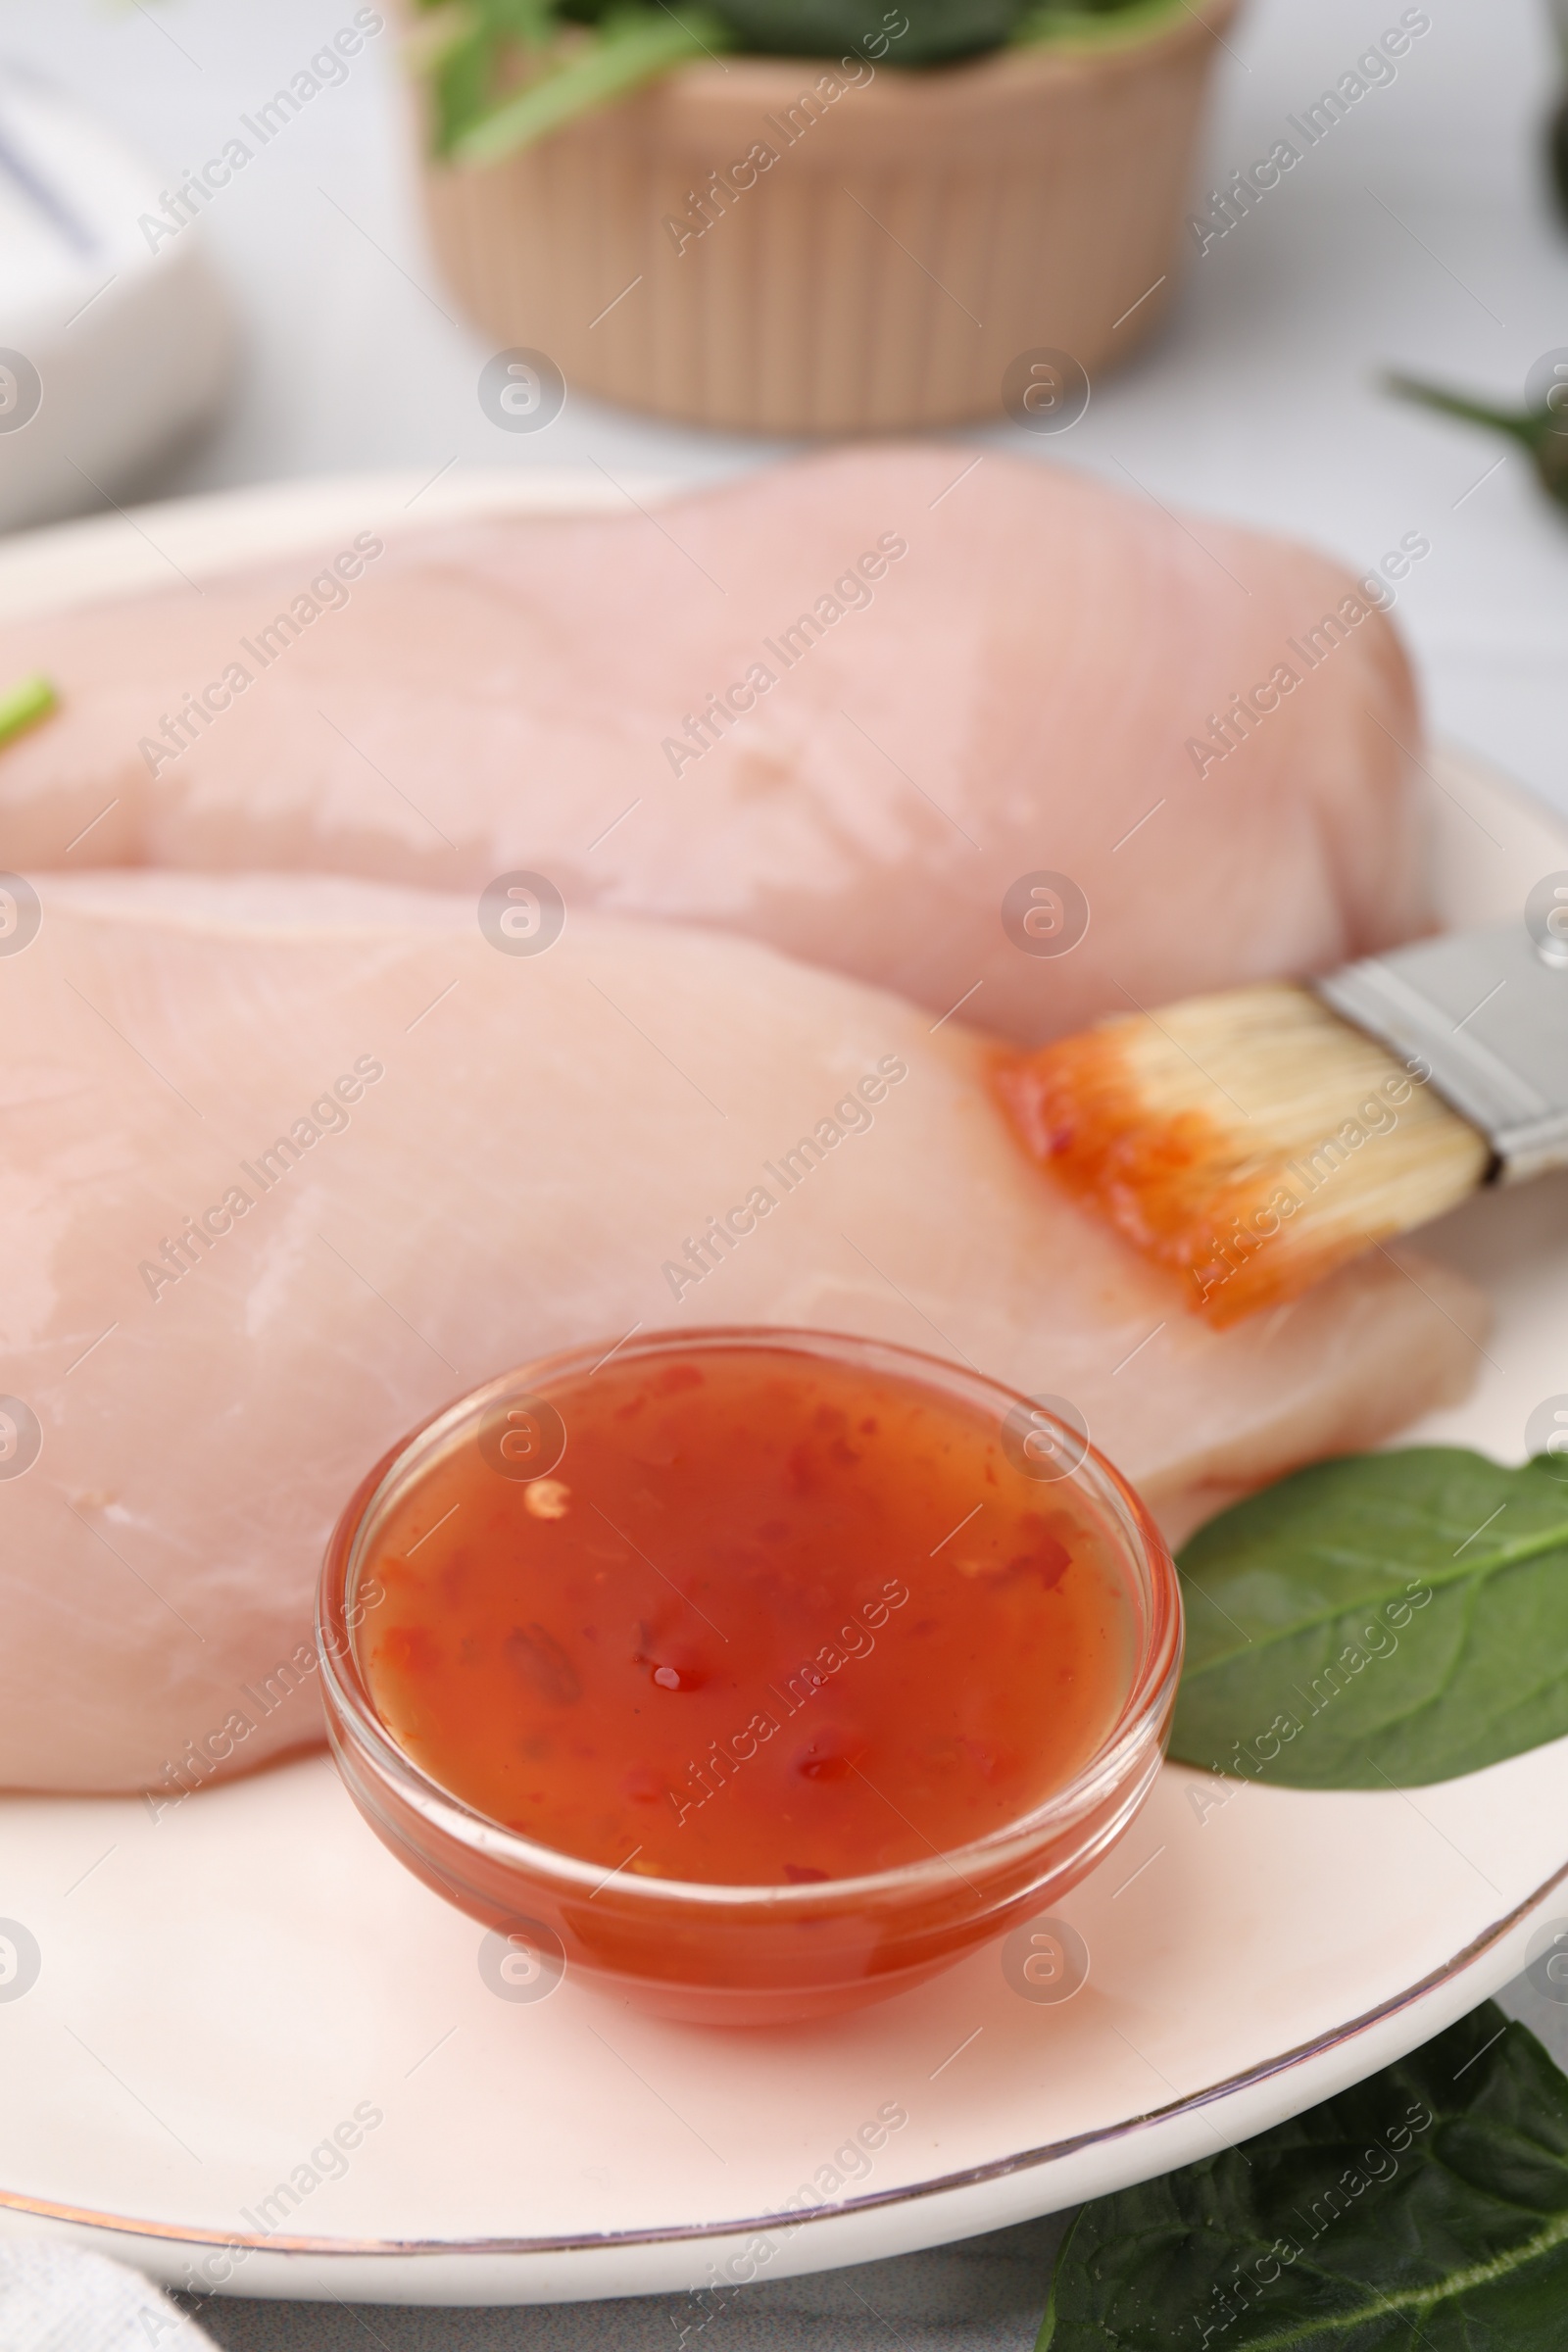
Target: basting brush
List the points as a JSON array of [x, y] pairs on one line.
[[1253, 1140]]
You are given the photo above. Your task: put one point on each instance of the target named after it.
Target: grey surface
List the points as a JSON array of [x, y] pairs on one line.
[[1419, 235], [986, 2295], [1547, 2020]]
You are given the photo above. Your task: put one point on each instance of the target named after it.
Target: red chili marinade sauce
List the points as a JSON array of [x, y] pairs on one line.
[[772, 1618]]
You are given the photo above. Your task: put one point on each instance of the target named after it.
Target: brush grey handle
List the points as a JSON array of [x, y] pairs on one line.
[[1487, 1013]]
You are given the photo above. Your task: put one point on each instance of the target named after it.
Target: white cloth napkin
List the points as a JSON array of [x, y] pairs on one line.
[[54, 2298]]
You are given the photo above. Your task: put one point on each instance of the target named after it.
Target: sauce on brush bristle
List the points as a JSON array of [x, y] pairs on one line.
[[1238, 1209]]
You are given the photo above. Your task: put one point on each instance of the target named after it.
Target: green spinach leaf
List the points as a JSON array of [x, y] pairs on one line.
[[1388, 1618], [915, 33], [1424, 2211]]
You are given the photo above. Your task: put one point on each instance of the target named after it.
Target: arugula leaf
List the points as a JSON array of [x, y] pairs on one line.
[[630, 45], [459, 79], [1391, 1618], [1424, 2211]]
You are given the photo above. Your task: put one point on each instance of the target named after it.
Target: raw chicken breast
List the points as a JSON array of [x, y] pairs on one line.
[[293, 1159], [980, 672]]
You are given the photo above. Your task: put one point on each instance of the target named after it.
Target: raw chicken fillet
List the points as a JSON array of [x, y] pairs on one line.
[[293, 1159], [978, 676]]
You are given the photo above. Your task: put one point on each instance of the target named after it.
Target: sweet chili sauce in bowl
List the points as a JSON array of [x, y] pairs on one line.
[[752, 1673]]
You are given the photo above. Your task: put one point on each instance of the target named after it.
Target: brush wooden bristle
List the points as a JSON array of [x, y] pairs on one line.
[[1252, 1141]]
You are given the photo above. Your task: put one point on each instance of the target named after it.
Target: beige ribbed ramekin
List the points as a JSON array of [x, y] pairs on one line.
[[915, 234]]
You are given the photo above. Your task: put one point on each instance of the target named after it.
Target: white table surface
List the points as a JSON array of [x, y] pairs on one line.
[[1419, 234]]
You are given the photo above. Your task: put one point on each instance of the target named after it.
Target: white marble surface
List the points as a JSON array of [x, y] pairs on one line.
[[1420, 233]]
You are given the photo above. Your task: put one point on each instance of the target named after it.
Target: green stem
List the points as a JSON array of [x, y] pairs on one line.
[[1544, 432], [1516, 421], [621, 59], [1094, 28], [24, 705]]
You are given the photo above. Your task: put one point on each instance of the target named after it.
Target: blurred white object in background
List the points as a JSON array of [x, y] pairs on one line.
[[111, 352]]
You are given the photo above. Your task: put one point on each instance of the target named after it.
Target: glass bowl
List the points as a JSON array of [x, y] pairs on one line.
[[753, 1954]]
